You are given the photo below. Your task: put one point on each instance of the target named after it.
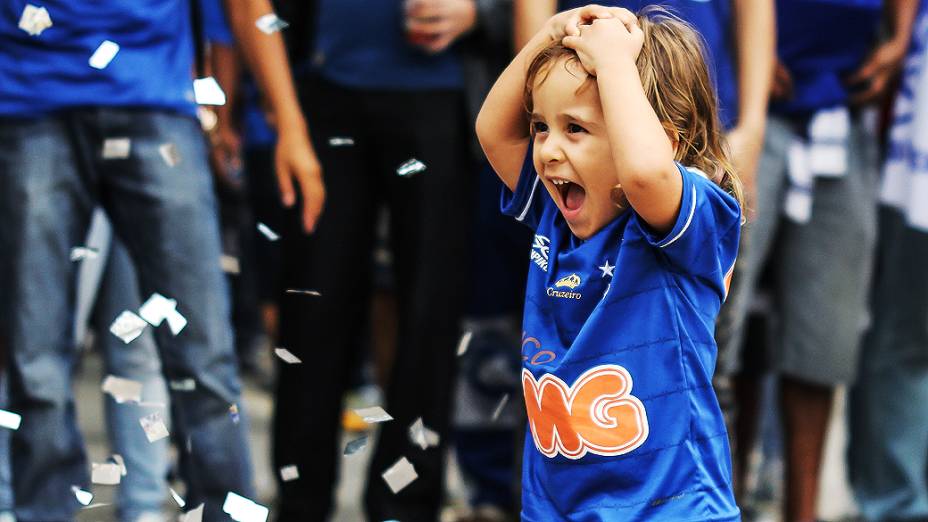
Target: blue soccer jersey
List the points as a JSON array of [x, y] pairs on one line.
[[618, 351]]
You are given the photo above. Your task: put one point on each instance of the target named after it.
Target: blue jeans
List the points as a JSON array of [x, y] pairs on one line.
[[52, 175]]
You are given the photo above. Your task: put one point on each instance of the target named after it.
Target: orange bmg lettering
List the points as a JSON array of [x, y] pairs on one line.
[[597, 414]]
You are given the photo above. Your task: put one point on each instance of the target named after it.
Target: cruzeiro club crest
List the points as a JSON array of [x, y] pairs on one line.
[[570, 282], [540, 247]]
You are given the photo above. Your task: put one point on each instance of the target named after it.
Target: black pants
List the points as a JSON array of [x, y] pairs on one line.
[[429, 225]]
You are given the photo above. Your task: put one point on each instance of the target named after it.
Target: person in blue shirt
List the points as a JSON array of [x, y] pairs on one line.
[[619, 166]]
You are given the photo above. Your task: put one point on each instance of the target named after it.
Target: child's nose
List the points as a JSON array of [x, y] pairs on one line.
[[551, 151]]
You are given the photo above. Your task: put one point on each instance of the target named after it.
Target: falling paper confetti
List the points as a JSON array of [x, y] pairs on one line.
[[116, 148], [10, 420], [242, 509], [177, 498], [464, 343], [341, 142], [287, 356], [268, 233], [233, 412], [194, 515], [34, 20], [207, 92], [355, 446], [410, 167], [106, 474], [176, 322], [183, 385], [230, 264], [499, 407], [400, 475], [156, 309], [422, 436], [270, 23], [128, 326], [288, 473], [298, 291], [122, 390], [81, 253], [154, 427], [169, 154], [104, 54], [84, 497], [373, 414], [117, 458]]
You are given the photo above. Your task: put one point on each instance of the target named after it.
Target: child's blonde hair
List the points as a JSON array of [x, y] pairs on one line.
[[676, 81]]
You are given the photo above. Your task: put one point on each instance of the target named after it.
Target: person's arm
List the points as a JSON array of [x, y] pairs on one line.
[[225, 142], [294, 155], [755, 46], [642, 151], [873, 77], [529, 16]]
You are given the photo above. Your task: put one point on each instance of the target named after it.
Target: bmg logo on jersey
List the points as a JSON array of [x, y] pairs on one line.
[[598, 414]]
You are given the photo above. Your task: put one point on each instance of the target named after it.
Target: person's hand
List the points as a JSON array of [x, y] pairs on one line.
[[225, 156], [607, 39], [294, 159], [871, 80], [568, 23], [746, 142], [436, 24], [782, 86]]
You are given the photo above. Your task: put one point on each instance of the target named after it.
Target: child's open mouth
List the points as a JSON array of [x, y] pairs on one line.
[[572, 195]]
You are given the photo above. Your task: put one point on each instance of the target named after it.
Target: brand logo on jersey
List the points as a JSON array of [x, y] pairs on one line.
[[598, 414], [572, 281], [540, 248]]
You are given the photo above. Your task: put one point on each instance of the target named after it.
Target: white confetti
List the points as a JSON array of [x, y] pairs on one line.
[[355, 446], [499, 407], [230, 264], [117, 458], [177, 498], [128, 326], [106, 474], [104, 54], [10, 420], [122, 390], [373, 414], [464, 343], [287, 356], [185, 385], [400, 475], [194, 515], [410, 167], [116, 148], [288, 473], [270, 23], [268, 233], [339, 141], [84, 497], [242, 509], [422, 436], [299, 291], [176, 322], [154, 427], [169, 154], [80, 253], [34, 20], [156, 309], [206, 91]]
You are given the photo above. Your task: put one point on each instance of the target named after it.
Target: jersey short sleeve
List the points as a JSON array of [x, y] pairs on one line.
[[528, 201], [704, 239]]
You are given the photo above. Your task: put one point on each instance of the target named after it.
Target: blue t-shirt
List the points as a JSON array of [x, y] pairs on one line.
[[713, 20], [50, 71], [618, 351], [362, 44], [821, 42]]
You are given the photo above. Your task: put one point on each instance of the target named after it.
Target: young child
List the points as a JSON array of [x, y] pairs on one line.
[[631, 260]]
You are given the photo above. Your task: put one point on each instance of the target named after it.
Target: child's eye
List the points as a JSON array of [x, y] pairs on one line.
[[538, 126], [573, 127]]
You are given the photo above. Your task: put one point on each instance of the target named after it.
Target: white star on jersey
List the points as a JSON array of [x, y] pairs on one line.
[[606, 269]]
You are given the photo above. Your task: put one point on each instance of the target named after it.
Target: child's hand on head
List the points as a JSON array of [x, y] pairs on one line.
[[568, 23], [606, 39]]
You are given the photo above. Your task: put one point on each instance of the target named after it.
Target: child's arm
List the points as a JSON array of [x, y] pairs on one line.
[[641, 149], [503, 125]]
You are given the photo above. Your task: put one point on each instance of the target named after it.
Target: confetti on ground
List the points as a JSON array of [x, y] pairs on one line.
[[185, 385], [169, 154], [410, 167], [106, 474], [230, 264], [84, 497], [194, 515], [355, 446], [270, 23], [300, 291], [499, 407], [233, 412], [117, 458], [10, 420], [288, 473], [80, 253], [34, 20], [268, 233], [207, 92], [116, 148], [104, 54], [339, 141], [373, 414], [400, 475], [464, 343], [287, 356], [122, 390], [177, 498], [154, 427], [422, 436], [242, 509], [128, 326]]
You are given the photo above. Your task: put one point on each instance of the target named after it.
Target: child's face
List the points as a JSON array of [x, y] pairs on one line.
[[571, 151]]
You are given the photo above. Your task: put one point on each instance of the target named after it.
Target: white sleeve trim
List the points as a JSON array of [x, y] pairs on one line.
[[689, 219], [528, 203]]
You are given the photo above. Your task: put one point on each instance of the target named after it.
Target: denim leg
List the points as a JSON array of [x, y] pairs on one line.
[[6, 480], [167, 218], [143, 489], [45, 206]]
